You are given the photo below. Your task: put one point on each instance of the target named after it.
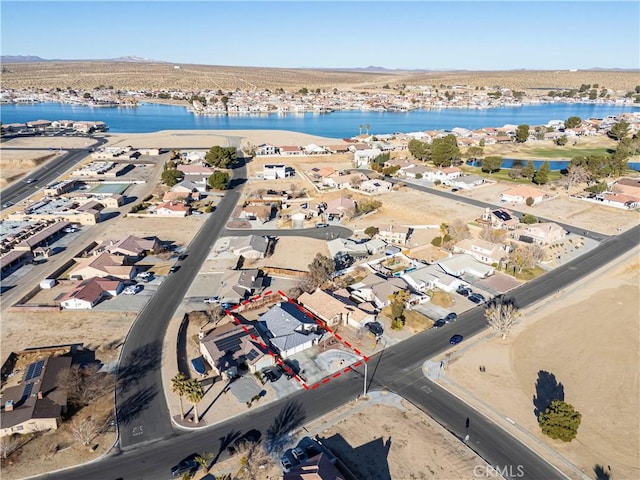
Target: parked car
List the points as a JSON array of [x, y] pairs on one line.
[[322, 225], [439, 323], [174, 269], [212, 300], [144, 275], [7, 204], [270, 374], [185, 466], [455, 339], [298, 454], [285, 463], [464, 291], [133, 289], [451, 317], [375, 328], [476, 298], [30, 180]]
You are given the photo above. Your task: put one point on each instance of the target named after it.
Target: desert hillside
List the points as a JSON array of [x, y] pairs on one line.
[[147, 76]]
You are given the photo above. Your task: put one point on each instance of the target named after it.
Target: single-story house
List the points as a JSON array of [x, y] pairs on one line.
[[90, 292], [38, 402], [466, 182], [444, 174], [520, 194], [628, 186], [291, 150], [251, 246], [341, 207], [233, 346], [172, 209], [195, 169], [376, 186], [463, 264], [260, 213], [289, 330], [132, 246], [431, 277]]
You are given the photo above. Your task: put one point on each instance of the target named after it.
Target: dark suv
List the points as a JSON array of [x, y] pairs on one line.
[[375, 328]]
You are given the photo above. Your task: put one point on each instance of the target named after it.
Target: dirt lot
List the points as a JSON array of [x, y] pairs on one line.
[[594, 353]]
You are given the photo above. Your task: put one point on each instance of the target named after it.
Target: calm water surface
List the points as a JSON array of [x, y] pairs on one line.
[[153, 117]]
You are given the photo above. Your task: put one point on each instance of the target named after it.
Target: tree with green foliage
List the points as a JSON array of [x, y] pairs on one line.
[[321, 269], [445, 151], [596, 165], [529, 201], [561, 141], [303, 90], [491, 164], [194, 393], [371, 231], [619, 130], [179, 387], [204, 460], [542, 175], [522, 133], [529, 219], [420, 150], [221, 157], [398, 305], [219, 180], [560, 421], [529, 169], [572, 122], [474, 153], [171, 176]]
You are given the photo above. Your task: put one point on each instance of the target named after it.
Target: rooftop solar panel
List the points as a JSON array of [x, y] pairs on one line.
[[251, 355], [26, 392], [232, 342], [34, 370]]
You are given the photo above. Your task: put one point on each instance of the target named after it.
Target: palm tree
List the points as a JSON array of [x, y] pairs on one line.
[[194, 393], [203, 460], [360, 133], [368, 128], [179, 387]]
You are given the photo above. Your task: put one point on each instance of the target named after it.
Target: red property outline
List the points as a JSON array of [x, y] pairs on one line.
[[277, 358]]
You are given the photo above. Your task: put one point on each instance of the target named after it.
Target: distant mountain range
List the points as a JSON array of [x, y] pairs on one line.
[[34, 59], [370, 68]]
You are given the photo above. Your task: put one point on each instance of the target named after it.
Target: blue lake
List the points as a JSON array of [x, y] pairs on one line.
[[154, 117]]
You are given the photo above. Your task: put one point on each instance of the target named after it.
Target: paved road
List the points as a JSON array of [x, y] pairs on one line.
[[327, 233], [49, 172], [141, 406]]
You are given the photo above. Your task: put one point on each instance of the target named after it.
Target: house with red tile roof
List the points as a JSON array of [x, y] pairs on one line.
[[172, 209], [90, 292]]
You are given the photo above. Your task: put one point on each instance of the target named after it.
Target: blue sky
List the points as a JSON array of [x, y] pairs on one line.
[[473, 35]]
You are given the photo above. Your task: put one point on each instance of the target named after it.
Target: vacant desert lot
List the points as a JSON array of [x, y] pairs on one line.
[[587, 337]]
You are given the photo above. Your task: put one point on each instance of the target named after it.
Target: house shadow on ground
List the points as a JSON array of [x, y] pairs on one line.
[[366, 462]]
